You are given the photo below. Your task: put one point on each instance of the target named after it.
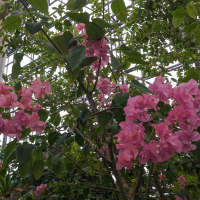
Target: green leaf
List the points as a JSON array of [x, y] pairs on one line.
[[86, 191], [33, 28], [2, 172], [77, 54], [70, 167], [138, 60], [16, 67], [119, 9], [84, 115], [56, 158], [129, 52], [38, 167], [57, 169], [104, 118], [81, 76], [86, 149], [87, 61], [191, 10], [18, 86], [41, 148], [60, 140], [196, 152], [67, 23], [76, 112], [181, 193], [114, 62], [17, 13], [71, 4], [43, 114], [58, 26], [136, 84], [97, 131], [73, 40], [40, 5], [5, 78], [121, 98], [62, 43], [41, 16], [107, 180], [53, 68], [25, 133], [178, 16], [49, 162], [53, 136], [67, 188], [68, 36], [190, 27], [197, 36], [79, 4], [79, 139], [94, 31], [24, 167], [102, 23], [87, 169], [72, 74], [169, 174], [51, 47], [37, 155], [79, 17], [8, 157], [55, 119], [11, 23], [23, 152], [191, 73]]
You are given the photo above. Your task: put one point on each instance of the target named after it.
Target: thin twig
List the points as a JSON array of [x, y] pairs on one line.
[[43, 31], [76, 164], [113, 76], [97, 76], [100, 187], [106, 110], [92, 145]]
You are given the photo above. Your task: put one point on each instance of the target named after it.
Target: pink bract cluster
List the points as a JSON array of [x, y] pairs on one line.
[[107, 88], [183, 181], [169, 135], [182, 185], [39, 189], [13, 127], [97, 48]]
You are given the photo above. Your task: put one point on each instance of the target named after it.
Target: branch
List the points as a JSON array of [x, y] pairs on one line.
[[101, 187], [149, 180], [158, 187], [43, 30], [108, 170], [92, 145], [106, 110], [134, 191], [97, 76], [75, 164], [114, 77]]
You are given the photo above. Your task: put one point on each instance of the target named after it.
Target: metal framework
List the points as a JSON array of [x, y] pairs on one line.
[[33, 58]]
